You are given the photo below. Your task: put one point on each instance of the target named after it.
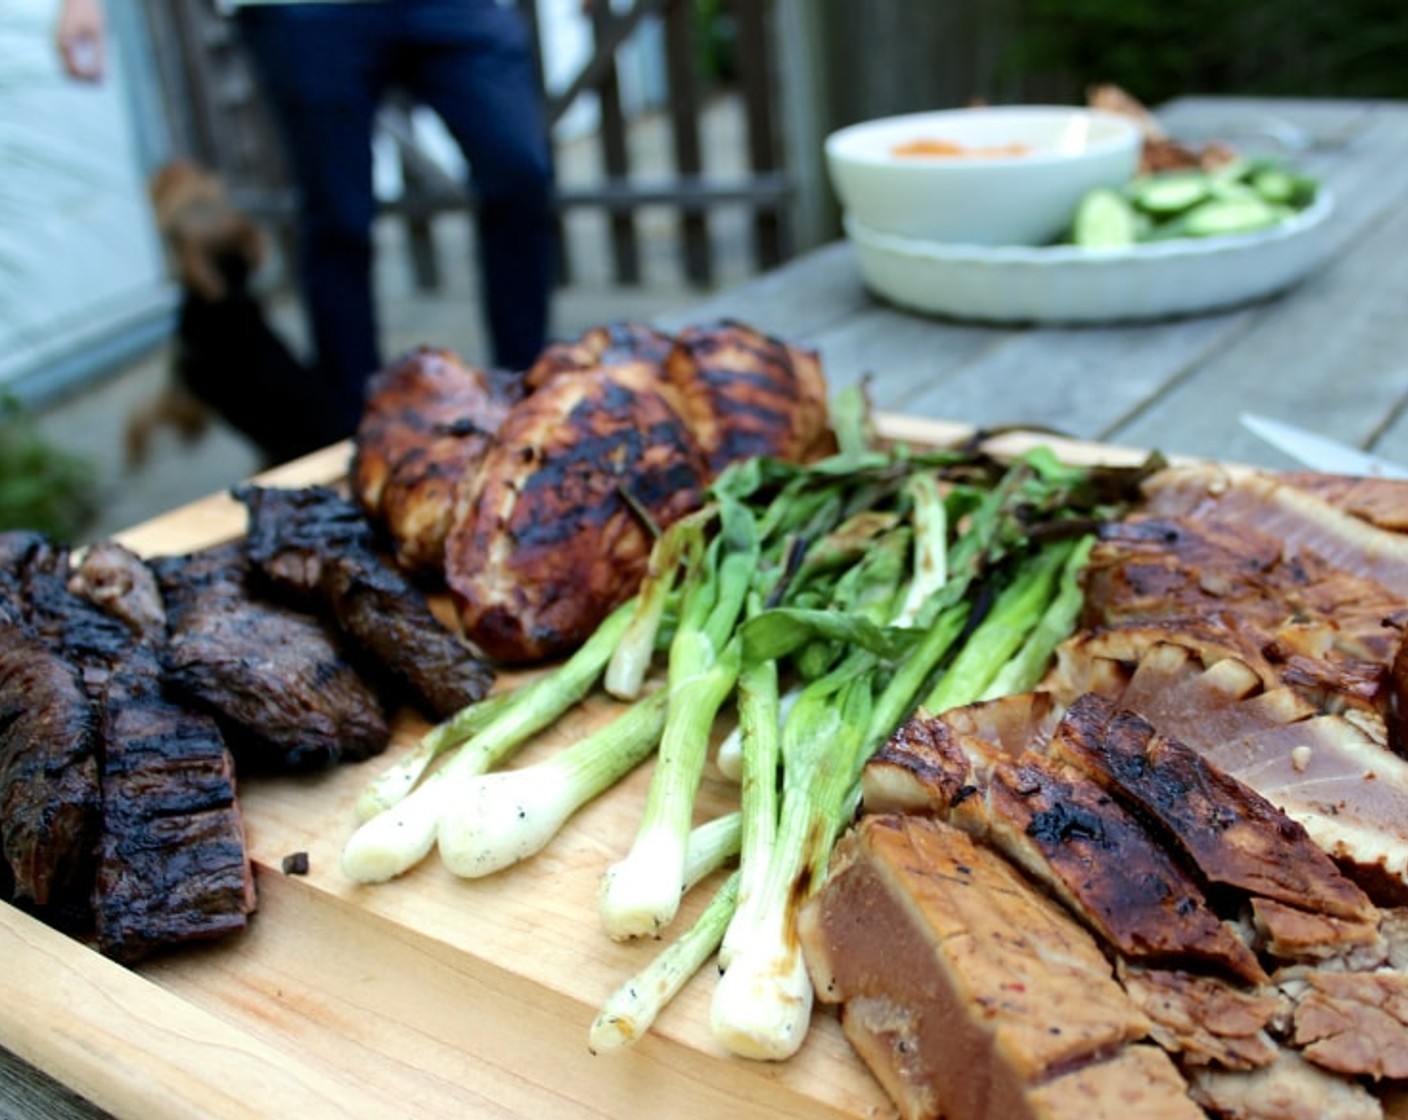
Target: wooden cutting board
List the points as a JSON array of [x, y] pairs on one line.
[[427, 996]]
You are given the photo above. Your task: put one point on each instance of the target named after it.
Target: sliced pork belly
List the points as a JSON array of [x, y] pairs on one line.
[[1234, 836], [1291, 1088], [1204, 1020], [968, 993], [1306, 524], [1067, 833], [1354, 1023], [1345, 788]]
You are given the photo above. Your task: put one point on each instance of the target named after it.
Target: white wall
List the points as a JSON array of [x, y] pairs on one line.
[[80, 263]]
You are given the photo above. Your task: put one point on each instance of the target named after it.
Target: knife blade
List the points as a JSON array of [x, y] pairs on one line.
[[1320, 452]]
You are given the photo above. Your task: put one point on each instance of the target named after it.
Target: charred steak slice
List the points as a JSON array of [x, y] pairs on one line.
[[172, 863], [281, 682], [48, 773], [118, 582], [314, 542], [426, 425]]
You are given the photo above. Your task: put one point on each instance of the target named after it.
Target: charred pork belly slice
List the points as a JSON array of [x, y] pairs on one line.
[[1204, 1020], [172, 862], [280, 681], [1233, 835], [1326, 772], [558, 524], [314, 543], [1240, 579], [968, 993], [1066, 832], [613, 344], [749, 395], [1305, 524], [1383, 502], [1291, 934], [48, 773], [426, 425]]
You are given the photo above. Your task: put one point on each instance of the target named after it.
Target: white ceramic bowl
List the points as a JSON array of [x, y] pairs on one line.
[[980, 198], [1067, 284]]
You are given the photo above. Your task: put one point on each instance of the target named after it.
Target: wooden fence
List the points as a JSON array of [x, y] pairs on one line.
[[217, 117]]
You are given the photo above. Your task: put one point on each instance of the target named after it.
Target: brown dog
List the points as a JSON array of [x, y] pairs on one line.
[[202, 233], [228, 360]]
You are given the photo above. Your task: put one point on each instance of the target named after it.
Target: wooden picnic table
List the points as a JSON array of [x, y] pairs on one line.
[[1331, 354]]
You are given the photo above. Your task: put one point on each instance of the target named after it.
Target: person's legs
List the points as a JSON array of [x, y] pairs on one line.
[[322, 69], [471, 62]]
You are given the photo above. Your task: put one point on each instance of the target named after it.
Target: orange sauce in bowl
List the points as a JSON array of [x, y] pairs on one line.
[[926, 147]]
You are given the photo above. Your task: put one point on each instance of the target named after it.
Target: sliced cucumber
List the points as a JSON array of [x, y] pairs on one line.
[[1105, 220], [1171, 192], [1220, 216]]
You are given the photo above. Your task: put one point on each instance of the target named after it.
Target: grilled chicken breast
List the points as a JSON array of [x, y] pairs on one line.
[[426, 426], [615, 344], [747, 394], [558, 522]]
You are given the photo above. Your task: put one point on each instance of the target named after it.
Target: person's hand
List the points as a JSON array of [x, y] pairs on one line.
[[81, 39]]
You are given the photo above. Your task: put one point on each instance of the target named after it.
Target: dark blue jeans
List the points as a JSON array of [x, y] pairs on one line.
[[325, 67]]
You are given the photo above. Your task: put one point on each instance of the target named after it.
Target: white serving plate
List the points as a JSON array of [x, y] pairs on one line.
[[1067, 284]]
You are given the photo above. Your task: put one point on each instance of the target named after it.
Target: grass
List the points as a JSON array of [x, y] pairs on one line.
[[41, 486]]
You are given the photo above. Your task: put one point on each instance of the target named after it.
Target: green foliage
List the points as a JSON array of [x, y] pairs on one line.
[[41, 487], [1157, 50]]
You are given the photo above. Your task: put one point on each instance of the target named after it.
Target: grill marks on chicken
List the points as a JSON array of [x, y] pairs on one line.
[[559, 521], [747, 395], [316, 546], [427, 423], [548, 524]]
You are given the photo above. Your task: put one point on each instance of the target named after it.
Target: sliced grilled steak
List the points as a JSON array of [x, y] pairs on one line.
[[118, 582], [313, 542], [281, 682], [172, 863], [48, 773]]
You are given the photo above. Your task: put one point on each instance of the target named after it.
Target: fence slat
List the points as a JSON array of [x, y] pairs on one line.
[[681, 66], [770, 236]]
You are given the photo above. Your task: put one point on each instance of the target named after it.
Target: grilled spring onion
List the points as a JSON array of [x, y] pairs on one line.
[[396, 839]]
